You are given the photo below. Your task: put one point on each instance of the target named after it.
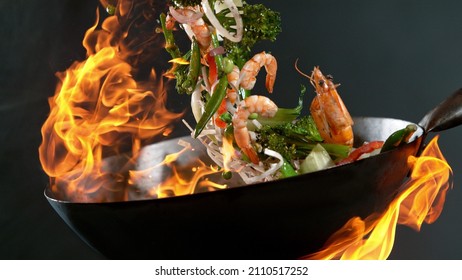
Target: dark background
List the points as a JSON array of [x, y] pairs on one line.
[[393, 58]]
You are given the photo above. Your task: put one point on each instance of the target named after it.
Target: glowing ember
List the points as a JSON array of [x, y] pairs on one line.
[[99, 110], [421, 200]]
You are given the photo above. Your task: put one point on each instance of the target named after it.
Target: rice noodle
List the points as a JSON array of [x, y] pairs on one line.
[[187, 125], [197, 105], [206, 79], [220, 29]]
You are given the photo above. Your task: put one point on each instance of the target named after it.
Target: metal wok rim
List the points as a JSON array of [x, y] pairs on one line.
[[418, 134]]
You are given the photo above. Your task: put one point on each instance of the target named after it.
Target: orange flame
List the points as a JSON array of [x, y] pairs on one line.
[[99, 110], [421, 200], [228, 152], [183, 177]]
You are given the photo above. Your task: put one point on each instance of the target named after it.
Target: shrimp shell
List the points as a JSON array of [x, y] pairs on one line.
[[251, 68], [329, 112], [261, 105]]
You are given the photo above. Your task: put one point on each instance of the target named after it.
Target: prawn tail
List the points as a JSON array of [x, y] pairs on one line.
[[270, 79], [251, 154]]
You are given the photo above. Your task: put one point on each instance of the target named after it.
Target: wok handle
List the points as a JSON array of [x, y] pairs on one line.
[[446, 115]]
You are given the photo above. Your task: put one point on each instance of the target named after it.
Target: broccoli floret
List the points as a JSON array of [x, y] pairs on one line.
[[295, 140], [272, 140], [260, 23]]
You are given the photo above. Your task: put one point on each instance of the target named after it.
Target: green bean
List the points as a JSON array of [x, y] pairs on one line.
[[212, 104], [218, 57], [194, 67]]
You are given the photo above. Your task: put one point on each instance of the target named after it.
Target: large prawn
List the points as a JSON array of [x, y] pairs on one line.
[[233, 80], [328, 110], [261, 105], [251, 68]]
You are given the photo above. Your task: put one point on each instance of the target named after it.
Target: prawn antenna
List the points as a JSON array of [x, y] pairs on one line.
[[302, 73]]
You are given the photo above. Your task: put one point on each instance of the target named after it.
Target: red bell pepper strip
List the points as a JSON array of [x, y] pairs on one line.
[[221, 110], [213, 71], [366, 148]]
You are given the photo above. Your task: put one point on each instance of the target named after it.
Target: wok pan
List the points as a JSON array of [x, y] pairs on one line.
[[283, 219]]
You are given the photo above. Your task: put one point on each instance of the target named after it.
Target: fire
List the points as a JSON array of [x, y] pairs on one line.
[[228, 152], [421, 200], [99, 110]]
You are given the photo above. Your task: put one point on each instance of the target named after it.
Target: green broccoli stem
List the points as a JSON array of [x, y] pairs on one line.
[[283, 115], [170, 45], [336, 151]]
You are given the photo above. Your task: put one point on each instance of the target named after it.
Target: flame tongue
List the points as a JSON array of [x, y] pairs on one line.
[[421, 200], [99, 110]]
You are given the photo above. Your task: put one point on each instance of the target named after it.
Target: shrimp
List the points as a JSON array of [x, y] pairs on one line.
[[328, 110], [233, 78], [253, 104], [251, 68], [197, 26]]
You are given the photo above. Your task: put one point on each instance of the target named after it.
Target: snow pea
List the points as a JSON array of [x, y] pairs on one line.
[[398, 137], [212, 104]]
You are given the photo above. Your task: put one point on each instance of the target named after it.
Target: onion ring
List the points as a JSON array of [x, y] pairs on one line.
[[217, 51], [182, 18], [214, 21]]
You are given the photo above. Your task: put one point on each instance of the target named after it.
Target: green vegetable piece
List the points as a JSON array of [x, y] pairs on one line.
[[260, 24], [229, 132], [287, 170], [336, 151], [228, 65], [398, 138], [218, 58], [179, 71], [170, 45], [318, 159], [253, 116], [227, 175], [110, 9], [194, 68], [212, 104], [187, 3], [226, 117], [284, 115]]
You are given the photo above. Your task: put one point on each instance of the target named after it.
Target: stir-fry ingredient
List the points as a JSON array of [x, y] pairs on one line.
[[243, 132], [399, 137]]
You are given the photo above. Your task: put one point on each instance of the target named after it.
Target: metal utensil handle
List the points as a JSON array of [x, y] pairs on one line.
[[446, 115]]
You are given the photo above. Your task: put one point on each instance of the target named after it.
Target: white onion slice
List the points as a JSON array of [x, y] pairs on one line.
[[197, 105], [184, 19], [205, 77], [217, 51], [213, 19]]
